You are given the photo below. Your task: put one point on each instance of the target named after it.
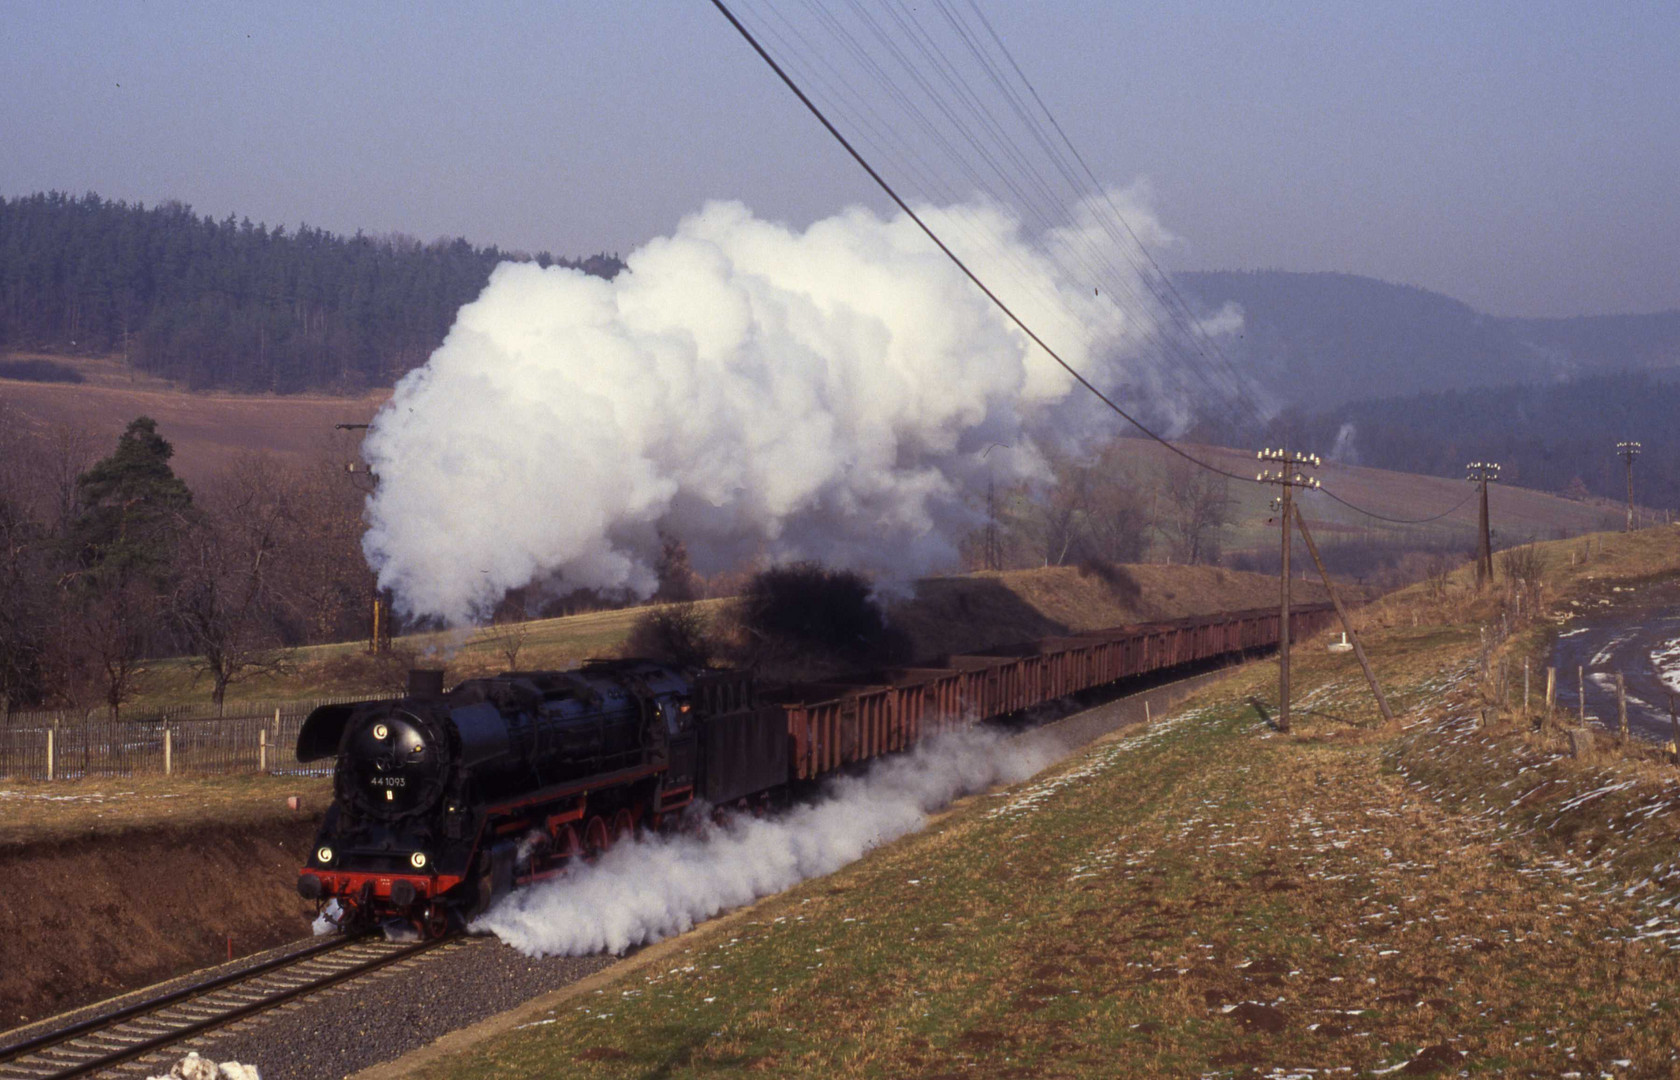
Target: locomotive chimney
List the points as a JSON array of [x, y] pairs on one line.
[[425, 682]]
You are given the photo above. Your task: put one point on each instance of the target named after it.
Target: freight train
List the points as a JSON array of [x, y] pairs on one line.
[[445, 802]]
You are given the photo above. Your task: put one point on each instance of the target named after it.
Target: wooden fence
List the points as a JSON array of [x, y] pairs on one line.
[[47, 747]]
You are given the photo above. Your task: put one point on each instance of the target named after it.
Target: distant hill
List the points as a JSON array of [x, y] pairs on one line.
[[1558, 436], [1318, 340], [1605, 342]]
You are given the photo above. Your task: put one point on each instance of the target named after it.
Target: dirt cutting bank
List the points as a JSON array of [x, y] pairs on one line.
[[83, 919]]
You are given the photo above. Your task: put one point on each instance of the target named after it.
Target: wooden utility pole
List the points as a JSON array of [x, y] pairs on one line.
[[1288, 476], [1347, 623], [1483, 473], [1674, 725], [379, 629], [993, 557], [1628, 451], [1621, 707]]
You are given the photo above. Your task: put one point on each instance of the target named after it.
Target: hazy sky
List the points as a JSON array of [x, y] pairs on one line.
[[1521, 156]]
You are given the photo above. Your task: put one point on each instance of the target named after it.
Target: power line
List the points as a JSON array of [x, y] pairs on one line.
[[1005, 164], [1176, 307], [1395, 520], [931, 235]]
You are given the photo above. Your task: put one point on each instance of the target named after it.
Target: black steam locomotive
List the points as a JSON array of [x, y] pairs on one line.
[[446, 801]]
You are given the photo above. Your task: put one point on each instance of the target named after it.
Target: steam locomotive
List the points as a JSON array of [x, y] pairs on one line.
[[444, 802]]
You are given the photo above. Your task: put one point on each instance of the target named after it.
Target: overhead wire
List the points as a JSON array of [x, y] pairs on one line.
[[987, 128], [1394, 520], [877, 131], [881, 181], [1177, 308]]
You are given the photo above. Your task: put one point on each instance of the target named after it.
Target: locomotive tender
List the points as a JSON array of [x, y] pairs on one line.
[[444, 802]]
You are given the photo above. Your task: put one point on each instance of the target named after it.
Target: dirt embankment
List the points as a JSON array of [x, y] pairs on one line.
[[983, 610], [83, 919]]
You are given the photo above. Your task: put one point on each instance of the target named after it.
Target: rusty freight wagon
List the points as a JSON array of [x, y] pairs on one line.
[[832, 725]]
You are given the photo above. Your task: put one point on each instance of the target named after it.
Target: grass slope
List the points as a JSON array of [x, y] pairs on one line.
[[208, 430], [1210, 897], [946, 615]]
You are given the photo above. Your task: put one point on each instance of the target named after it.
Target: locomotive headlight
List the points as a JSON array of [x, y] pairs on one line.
[[323, 855], [417, 860], [381, 732]]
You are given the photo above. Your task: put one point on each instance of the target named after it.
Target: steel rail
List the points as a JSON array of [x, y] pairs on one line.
[[44, 1057]]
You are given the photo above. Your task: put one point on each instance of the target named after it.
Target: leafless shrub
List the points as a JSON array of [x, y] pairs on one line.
[[676, 634], [508, 636], [1524, 566], [1435, 577]]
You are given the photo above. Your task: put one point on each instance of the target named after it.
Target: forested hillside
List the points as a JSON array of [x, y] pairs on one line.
[[1319, 340], [228, 303], [1557, 437]]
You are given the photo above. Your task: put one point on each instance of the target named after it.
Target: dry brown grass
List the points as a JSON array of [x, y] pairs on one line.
[[33, 812], [976, 611], [208, 430]]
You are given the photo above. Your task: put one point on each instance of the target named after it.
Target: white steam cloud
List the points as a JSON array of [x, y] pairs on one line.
[[758, 391], [643, 892], [1344, 450]]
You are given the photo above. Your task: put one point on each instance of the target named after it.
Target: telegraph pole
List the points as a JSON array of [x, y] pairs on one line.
[[994, 557], [1483, 473], [1628, 451], [1288, 476], [379, 632]]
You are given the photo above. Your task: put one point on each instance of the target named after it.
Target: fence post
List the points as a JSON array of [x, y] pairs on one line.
[[1581, 692], [1551, 690], [168, 751], [1525, 687], [262, 750], [1621, 706], [50, 733], [277, 722]]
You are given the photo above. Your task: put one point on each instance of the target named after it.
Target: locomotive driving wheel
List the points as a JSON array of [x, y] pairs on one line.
[[595, 838], [623, 826]]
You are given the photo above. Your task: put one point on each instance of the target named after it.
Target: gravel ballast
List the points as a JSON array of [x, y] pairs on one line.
[[387, 1014]]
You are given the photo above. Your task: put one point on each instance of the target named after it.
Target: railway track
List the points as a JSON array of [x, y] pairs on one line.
[[90, 1046]]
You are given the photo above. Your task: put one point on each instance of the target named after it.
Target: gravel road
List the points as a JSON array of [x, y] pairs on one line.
[[1637, 635]]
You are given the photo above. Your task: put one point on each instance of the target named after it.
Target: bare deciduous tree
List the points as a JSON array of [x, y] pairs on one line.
[[1198, 507], [99, 643], [507, 634], [322, 580], [223, 598]]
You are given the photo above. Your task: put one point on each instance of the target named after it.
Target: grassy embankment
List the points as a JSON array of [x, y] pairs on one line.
[[1212, 897]]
